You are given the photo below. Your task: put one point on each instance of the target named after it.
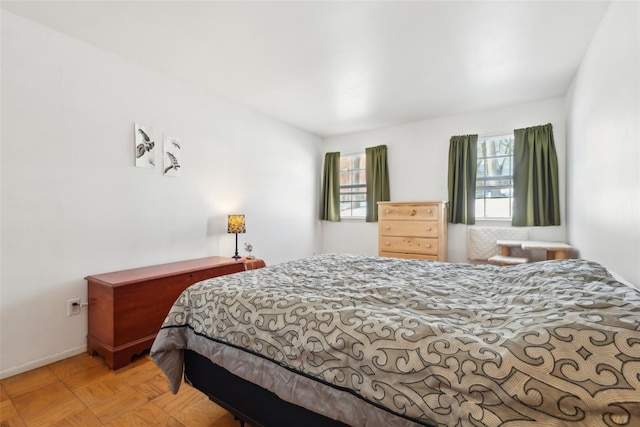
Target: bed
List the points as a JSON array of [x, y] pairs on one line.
[[335, 340]]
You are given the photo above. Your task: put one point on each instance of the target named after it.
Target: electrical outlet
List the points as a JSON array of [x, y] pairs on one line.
[[73, 306]]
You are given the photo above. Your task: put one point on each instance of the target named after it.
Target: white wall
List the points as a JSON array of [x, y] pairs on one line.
[[418, 167], [73, 204], [603, 134]]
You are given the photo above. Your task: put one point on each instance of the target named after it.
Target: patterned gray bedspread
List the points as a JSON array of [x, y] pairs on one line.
[[545, 344]]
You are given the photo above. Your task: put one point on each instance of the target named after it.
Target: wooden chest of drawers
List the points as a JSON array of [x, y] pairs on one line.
[[127, 308], [415, 230]]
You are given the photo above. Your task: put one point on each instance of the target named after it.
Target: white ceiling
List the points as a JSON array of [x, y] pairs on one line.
[[332, 67]]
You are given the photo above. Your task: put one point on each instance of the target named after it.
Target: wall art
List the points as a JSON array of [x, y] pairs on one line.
[[144, 141], [172, 155]]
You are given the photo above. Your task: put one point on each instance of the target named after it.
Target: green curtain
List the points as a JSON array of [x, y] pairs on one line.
[[463, 155], [330, 203], [535, 177], [377, 180]]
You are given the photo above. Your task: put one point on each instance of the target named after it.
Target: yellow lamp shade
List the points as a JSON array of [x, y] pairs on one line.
[[235, 224]]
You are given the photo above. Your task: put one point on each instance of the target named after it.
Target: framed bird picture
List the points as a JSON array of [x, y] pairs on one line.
[[144, 141], [172, 155]]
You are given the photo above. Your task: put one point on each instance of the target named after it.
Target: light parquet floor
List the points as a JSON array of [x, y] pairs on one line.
[[82, 391]]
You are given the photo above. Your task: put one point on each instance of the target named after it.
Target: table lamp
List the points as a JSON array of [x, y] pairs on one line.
[[235, 224]]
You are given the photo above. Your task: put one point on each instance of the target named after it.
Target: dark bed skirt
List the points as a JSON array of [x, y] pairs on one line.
[[247, 401]]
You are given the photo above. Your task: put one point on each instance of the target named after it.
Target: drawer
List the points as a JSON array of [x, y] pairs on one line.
[[418, 245], [408, 228], [409, 256], [407, 211]]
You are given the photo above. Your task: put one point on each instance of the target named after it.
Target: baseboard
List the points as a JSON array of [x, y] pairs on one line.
[[41, 362]]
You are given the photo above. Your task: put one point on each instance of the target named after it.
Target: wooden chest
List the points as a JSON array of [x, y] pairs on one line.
[[415, 230], [127, 308]]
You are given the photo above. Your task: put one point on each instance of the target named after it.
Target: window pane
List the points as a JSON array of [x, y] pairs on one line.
[[498, 208], [479, 207], [494, 181], [353, 186]]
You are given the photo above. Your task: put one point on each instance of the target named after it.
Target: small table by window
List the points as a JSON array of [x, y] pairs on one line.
[[555, 250]]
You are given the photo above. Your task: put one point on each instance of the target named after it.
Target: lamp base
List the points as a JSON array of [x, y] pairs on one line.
[[236, 256]]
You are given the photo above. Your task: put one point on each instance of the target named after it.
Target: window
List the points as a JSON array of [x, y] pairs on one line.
[[353, 186], [494, 180]]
